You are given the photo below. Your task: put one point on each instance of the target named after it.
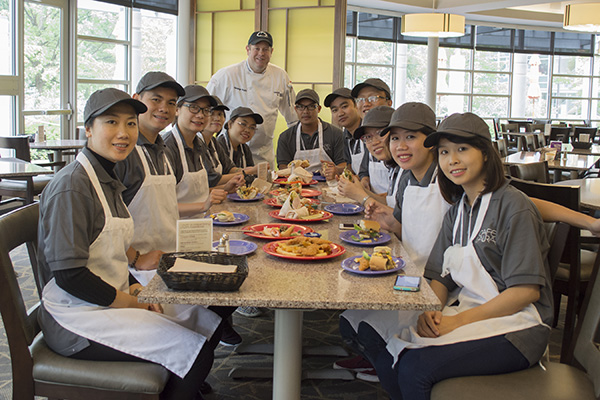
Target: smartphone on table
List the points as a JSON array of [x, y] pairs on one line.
[[406, 283], [346, 227]]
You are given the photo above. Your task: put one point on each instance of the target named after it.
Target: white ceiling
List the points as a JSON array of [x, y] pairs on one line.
[[539, 13]]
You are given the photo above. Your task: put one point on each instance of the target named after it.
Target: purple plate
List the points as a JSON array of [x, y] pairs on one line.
[[346, 236], [239, 219], [239, 247], [344, 208], [235, 197], [351, 265], [319, 178]]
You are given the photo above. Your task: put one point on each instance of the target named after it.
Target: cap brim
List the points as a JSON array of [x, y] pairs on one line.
[[434, 138], [221, 107], [363, 85], [411, 126], [361, 130], [257, 117], [211, 100], [331, 97], [137, 105]]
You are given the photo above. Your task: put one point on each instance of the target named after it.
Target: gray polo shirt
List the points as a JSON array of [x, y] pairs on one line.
[[131, 170], [406, 179], [71, 218], [333, 143], [512, 245], [210, 154]]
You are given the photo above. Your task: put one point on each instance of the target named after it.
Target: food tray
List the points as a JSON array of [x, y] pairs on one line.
[[204, 281]]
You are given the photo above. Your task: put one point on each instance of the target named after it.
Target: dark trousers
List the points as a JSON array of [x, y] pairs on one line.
[[186, 388], [417, 370]]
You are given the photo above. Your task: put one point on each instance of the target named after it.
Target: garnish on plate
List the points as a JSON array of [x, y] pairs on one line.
[[367, 231]]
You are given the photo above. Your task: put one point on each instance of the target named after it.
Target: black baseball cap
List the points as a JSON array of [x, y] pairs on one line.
[[219, 105], [373, 82], [196, 92], [378, 117], [467, 125], [341, 92], [155, 79], [102, 100], [307, 94], [261, 36], [412, 116], [246, 112]]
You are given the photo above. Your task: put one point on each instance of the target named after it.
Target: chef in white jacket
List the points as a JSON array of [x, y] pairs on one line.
[[261, 86]]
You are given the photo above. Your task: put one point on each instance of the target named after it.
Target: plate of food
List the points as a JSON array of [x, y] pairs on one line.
[[278, 202], [313, 215], [236, 197], [318, 177], [228, 218], [286, 181], [303, 192], [366, 233], [276, 231], [344, 208], [304, 248], [380, 262], [238, 247]]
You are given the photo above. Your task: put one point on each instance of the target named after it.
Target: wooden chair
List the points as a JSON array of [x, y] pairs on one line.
[[561, 133], [496, 124], [23, 190], [536, 127], [571, 280], [585, 130], [37, 370], [541, 139], [555, 382], [536, 172], [502, 146]]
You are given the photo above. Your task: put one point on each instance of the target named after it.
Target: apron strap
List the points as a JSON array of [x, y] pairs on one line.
[[300, 143], [485, 202]]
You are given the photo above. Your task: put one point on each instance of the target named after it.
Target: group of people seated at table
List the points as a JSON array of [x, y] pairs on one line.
[[107, 218]]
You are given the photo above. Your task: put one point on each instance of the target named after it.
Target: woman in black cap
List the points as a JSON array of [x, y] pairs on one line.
[[90, 309], [239, 130]]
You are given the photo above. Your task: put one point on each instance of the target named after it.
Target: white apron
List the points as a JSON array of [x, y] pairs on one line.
[[193, 186], [313, 156], [476, 288], [379, 175], [155, 214], [390, 198], [423, 210], [164, 340], [357, 155], [216, 163], [230, 148]]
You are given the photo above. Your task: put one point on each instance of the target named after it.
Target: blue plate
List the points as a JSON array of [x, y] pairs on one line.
[[239, 247], [235, 197], [346, 236], [344, 208], [351, 265], [239, 219], [319, 178]]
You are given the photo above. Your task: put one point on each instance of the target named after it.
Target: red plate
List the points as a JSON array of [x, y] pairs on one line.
[[326, 215], [303, 192], [273, 202], [284, 181], [271, 248], [254, 231]]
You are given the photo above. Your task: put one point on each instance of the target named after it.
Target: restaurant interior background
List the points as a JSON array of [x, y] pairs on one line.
[[513, 62]]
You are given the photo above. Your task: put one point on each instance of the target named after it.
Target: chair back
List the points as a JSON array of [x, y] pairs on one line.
[[587, 345], [585, 130], [496, 124], [20, 145], [541, 139], [21, 326], [536, 128], [502, 146], [510, 127], [536, 172], [560, 133]]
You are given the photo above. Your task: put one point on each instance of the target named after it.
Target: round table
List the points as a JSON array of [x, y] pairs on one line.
[[589, 191]]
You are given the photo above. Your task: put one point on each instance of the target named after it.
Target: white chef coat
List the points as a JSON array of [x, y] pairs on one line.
[[265, 93]]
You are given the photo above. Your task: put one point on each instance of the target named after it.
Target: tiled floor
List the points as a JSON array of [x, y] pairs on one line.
[[320, 328]]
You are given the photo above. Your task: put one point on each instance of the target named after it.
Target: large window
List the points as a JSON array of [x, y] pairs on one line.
[[493, 72]]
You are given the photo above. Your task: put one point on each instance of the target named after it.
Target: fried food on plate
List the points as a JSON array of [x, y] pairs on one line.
[[305, 247]]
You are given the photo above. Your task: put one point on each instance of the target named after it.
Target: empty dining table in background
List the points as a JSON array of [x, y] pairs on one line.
[[575, 163], [59, 146]]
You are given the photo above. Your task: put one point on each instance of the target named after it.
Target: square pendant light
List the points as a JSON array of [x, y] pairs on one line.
[[582, 17], [433, 25]]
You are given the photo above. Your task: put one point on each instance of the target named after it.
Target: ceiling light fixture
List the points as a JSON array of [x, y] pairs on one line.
[[582, 17], [433, 25]]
